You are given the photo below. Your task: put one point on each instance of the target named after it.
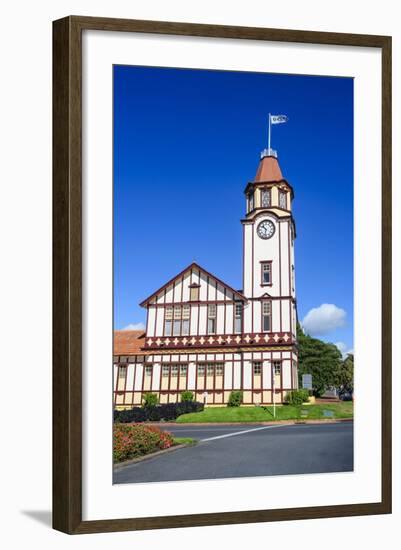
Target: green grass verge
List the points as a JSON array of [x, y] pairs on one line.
[[184, 441], [265, 414]]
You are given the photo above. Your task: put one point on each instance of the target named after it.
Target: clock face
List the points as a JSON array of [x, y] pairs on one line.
[[266, 229]]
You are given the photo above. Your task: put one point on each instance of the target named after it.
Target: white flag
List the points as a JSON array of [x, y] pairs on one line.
[[278, 119]]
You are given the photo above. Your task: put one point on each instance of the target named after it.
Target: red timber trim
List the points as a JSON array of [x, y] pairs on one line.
[[262, 263], [268, 184], [192, 266], [267, 296], [204, 341]]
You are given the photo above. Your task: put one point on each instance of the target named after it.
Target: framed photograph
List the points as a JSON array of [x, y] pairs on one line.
[[222, 275]]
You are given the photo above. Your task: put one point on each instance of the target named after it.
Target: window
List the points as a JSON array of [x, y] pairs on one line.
[[165, 371], [174, 370], [265, 194], [266, 273], [201, 370], [257, 368], [177, 319], [238, 318], [210, 370], [251, 201], [211, 318], [186, 313], [194, 293], [219, 369], [148, 370], [183, 370], [122, 372], [293, 277], [282, 199], [266, 316], [277, 367], [168, 316]]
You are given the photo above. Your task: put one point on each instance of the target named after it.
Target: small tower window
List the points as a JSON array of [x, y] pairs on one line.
[[251, 201], [282, 199], [266, 273], [266, 316], [238, 318], [266, 198], [293, 277], [211, 318]]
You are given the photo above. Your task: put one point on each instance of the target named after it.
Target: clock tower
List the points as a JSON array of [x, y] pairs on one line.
[[268, 256]]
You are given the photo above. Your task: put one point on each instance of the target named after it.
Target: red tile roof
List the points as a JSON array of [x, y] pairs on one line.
[[128, 342], [268, 170]]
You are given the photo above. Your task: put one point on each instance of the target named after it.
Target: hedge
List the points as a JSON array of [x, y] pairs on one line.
[[157, 413], [297, 397], [133, 440]]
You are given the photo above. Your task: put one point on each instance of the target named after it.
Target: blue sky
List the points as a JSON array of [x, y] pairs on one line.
[[183, 137]]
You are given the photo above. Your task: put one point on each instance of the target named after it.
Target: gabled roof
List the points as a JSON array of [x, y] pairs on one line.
[[192, 266], [128, 342]]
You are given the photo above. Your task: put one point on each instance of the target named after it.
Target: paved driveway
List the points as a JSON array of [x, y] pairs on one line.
[[247, 451]]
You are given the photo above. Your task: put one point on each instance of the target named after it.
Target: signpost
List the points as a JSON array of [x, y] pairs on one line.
[[307, 381], [274, 392]]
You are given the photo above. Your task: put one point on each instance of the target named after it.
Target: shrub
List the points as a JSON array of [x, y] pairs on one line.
[[157, 413], [297, 397], [133, 440], [149, 399], [187, 396], [235, 398]]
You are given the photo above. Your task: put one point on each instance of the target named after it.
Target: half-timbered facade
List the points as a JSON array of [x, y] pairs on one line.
[[205, 336]]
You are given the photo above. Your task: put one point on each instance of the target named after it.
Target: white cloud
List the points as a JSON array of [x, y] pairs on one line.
[[134, 326], [343, 349], [323, 319]]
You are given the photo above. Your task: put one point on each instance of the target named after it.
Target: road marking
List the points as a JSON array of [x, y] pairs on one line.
[[239, 433]]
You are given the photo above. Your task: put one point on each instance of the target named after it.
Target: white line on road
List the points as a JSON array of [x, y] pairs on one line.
[[239, 433]]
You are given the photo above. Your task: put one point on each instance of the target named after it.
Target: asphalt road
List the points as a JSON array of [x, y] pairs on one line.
[[248, 451]]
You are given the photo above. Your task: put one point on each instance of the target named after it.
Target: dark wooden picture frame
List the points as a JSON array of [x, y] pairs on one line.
[[67, 274]]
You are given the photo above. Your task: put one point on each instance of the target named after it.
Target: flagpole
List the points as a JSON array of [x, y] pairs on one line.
[[268, 141]]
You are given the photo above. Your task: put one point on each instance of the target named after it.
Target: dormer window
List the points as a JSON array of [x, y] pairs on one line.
[[265, 198], [282, 196]]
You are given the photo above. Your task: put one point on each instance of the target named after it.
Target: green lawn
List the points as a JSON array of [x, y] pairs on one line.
[[184, 441], [265, 414]]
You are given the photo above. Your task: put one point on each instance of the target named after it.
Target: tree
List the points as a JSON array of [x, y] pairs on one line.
[[346, 373], [321, 360]]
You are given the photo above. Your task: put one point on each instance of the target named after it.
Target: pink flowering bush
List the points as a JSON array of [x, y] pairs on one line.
[[133, 440]]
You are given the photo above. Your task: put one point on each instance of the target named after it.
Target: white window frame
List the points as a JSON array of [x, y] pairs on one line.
[[238, 317], [266, 304]]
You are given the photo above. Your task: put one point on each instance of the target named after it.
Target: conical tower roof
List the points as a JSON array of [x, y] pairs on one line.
[[268, 169]]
